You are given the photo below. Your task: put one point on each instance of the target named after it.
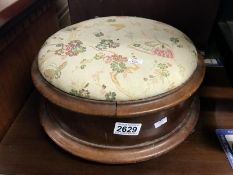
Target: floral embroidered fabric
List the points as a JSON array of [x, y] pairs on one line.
[[117, 58]]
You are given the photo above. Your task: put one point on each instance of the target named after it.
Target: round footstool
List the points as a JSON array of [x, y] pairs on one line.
[[118, 89]]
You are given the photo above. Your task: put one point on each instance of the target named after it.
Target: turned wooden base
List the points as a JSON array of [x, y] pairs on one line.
[[86, 127], [118, 154]]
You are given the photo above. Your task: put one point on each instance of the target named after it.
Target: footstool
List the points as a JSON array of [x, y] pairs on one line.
[[118, 89]]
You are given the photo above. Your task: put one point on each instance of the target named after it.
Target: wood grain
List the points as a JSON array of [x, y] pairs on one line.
[[100, 129], [217, 92], [18, 48], [117, 149], [27, 150], [12, 8], [120, 109], [84, 126]]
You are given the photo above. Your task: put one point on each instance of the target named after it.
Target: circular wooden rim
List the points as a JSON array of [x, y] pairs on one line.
[[119, 155], [119, 108]]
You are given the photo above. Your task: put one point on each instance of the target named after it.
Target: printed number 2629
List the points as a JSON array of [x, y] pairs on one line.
[[126, 129]]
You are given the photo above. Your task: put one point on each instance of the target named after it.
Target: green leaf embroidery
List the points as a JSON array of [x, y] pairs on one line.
[[110, 96], [99, 34], [99, 56], [83, 66], [176, 41], [107, 43], [118, 67], [111, 20]]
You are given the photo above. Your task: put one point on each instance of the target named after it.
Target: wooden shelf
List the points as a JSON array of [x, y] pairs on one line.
[[26, 149], [24, 27], [217, 92]]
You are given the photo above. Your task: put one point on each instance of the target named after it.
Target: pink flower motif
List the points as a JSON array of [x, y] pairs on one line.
[[108, 59], [67, 48], [70, 53], [72, 48], [167, 53], [118, 58]]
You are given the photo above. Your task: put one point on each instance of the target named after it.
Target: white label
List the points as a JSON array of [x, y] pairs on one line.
[[127, 128], [135, 61], [160, 122], [211, 61]]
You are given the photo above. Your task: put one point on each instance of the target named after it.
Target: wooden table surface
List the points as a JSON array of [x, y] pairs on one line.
[[26, 149]]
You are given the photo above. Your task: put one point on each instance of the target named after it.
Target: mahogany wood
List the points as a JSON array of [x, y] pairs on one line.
[[84, 127], [119, 154], [24, 27], [217, 92], [26, 149], [166, 100], [12, 8], [99, 130], [120, 109]]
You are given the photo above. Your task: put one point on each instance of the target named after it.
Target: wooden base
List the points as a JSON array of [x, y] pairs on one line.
[[118, 155]]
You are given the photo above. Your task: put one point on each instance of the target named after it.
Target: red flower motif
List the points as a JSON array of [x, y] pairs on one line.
[[70, 53], [108, 59], [119, 58], [69, 49], [115, 57], [163, 52]]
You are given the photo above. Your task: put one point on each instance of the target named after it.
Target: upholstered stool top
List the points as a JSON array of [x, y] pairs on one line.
[[117, 58]]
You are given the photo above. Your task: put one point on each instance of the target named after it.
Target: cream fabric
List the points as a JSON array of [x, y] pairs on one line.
[[117, 58]]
